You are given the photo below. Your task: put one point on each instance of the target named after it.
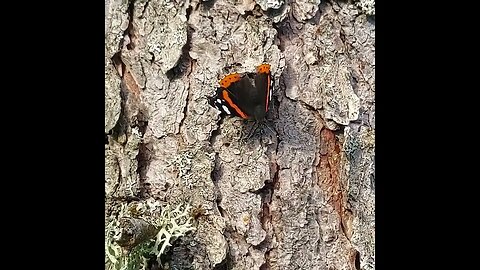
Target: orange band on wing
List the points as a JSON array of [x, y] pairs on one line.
[[268, 92], [227, 98], [263, 68], [229, 79]]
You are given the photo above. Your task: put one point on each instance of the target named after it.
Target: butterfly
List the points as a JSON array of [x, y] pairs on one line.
[[245, 95]]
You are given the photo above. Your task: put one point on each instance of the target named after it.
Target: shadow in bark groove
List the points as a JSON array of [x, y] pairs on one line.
[[207, 4], [357, 260], [122, 124], [144, 157], [183, 67], [226, 264], [130, 31], [271, 12], [179, 256]]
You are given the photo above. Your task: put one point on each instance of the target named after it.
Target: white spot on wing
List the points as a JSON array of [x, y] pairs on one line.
[[226, 109], [270, 93]]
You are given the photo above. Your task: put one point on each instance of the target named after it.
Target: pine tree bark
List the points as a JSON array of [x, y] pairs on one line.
[[302, 197]]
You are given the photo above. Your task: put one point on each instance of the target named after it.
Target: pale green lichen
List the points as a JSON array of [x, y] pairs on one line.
[[192, 165], [183, 164], [174, 224], [171, 223], [137, 259]]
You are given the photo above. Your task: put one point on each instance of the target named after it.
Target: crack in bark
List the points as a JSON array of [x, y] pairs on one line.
[[357, 260], [226, 264], [127, 86], [183, 67], [329, 167], [214, 177], [129, 31], [185, 109], [119, 178], [266, 215], [215, 133], [144, 158], [120, 128], [118, 63], [144, 8]]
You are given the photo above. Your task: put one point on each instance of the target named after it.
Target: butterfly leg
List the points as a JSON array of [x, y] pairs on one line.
[[269, 128], [251, 132]]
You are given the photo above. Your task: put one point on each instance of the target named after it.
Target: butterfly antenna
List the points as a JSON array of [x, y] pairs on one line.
[[268, 126], [251, 131]]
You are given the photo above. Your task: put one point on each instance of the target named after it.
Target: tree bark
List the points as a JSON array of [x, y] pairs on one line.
[[300, 197]]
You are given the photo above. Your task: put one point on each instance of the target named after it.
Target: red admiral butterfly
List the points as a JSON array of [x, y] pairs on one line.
[[246, 95]]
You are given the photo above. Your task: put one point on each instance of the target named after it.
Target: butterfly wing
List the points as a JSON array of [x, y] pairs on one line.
[[233, 97], [263, 85]]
